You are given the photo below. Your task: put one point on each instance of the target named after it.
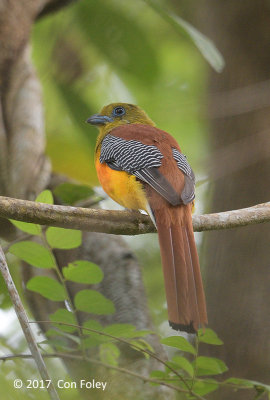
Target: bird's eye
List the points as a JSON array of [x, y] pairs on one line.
[[118, 111]]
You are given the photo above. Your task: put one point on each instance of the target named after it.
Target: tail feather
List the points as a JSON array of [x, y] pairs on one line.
[[174, 296], [182, 276], [197, 275]]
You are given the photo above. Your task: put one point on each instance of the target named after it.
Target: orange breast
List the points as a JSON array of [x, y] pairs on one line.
[[122, 187]]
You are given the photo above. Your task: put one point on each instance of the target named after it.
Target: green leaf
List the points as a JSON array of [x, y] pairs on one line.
[[137, 334], [47, 287], [60, 238], [209, 336], [65, 316], [59, 343], [109, 353], [33, 253], [143, 345], [94, 341], [45, 197], [210, 366], [179, 342], [94, 302], [83, 271], [202, 388], [246, 383], [93, 338], [70, 193], [157, 374], [183, 363], [205, 45], [92, 324], [125, 330], [54, 332], [32, 229], [240, 382], [120, 330]]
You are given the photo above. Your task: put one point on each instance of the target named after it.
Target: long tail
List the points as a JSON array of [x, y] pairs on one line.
[[181, 269]]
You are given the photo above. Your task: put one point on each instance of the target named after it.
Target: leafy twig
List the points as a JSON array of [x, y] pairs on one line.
[[164, 383], [68, 297], [138, 348], [109, 366]]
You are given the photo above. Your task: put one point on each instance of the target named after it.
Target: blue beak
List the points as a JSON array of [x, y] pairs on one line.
[[98, 119]]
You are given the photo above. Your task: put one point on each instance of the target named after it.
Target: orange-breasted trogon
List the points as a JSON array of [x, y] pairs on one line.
[[141, 167]]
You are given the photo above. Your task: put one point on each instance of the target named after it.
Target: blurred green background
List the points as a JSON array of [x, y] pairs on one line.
[[88, 55], [93, 53]]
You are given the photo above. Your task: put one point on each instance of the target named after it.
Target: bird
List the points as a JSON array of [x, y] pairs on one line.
[[141, 167]]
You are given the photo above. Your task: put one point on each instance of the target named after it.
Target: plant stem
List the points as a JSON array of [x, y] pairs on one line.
[[23, 319], [150, 353], [195, 361], [109, 366]]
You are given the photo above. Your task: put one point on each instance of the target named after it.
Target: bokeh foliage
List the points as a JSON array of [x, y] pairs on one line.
[[93, 53]]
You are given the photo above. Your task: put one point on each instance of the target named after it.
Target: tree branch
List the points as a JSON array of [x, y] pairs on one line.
[[232, 219], [22, 317], [121, 222]]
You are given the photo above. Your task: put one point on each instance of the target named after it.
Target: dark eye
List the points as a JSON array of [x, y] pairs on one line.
[[118, 111]]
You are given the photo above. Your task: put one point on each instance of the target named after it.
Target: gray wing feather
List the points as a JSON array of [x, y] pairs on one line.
[[188, 193], [113, 165], [157, 181]]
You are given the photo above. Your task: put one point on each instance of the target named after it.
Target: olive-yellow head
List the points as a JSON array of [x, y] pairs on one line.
[[116, 114]]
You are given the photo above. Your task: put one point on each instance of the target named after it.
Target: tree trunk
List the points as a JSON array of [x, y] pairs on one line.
[[237, 261]]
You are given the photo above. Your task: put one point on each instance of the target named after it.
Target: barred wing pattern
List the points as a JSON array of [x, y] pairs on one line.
[[143, 161], [182, 163], [129, 155], [188, 193]]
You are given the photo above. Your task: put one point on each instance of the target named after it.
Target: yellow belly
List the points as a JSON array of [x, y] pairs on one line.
[[122, 187]]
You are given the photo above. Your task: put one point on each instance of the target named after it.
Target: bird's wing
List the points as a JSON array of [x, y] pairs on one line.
[[129, 155], [143, 161], [157, 181], [188, 193]]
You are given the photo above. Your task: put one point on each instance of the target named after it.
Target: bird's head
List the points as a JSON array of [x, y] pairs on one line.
[[116, 114]]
